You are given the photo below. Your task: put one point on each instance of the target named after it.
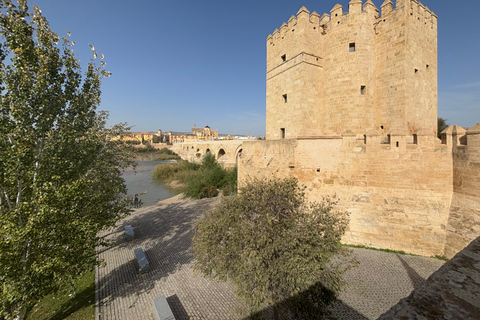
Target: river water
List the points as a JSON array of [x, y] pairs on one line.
[[141, 181]]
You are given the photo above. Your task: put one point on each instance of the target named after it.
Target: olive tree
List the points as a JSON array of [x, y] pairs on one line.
[[60, 172], [277, 248]]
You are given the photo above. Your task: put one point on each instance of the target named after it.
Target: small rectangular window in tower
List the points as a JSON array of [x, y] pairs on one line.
[[282, 133], [284, 58], [351, 47], [285, 98], [363, 90]]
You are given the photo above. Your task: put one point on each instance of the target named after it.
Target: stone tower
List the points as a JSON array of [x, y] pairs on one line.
[[364, 70]]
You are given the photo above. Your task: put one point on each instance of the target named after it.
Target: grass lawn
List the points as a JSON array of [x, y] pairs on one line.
[[68, 304]]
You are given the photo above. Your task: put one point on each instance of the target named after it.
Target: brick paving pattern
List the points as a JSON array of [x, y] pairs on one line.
[[165, 232]]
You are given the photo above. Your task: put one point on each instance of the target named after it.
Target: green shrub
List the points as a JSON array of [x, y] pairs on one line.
[[195, 183], [174, 170], [189, 166], [167, 154], [147, 149], [165, 171], [167, 151], [200, 180], [208, 161], [229, 183], [164, 156], [276, 248]]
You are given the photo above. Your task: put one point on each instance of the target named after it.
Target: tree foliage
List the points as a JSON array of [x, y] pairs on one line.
[[60, 178], [276, 247], [209, 178], [441, 125]]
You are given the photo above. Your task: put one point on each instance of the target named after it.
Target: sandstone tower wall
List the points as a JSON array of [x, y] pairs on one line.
[[353, 71]]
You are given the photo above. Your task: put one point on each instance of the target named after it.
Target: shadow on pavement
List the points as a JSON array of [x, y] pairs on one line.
[[415, 278], [164, 234], [317, 302], [177, 308]]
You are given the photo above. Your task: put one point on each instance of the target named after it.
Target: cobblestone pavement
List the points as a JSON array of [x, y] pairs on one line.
[[165, 232]]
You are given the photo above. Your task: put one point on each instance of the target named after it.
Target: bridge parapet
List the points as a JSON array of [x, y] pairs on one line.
[[225, 151]]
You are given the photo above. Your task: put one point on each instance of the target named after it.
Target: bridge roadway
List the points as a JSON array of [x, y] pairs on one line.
[[225, 151]]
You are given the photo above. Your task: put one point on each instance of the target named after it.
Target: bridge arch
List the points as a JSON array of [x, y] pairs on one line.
[[221, 153], [238, 154]]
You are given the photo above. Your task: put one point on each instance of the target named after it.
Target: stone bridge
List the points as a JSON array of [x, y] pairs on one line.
[[225, 151]]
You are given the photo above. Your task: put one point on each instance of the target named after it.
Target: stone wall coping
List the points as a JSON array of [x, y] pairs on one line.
[[319, 137], [474, 130], [454, 130], [372, 133]]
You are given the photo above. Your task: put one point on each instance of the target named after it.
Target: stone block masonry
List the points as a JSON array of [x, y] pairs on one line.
[[355, 70], [351, 108]]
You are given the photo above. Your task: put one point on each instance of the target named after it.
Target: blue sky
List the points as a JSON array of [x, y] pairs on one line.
[[179, 62]]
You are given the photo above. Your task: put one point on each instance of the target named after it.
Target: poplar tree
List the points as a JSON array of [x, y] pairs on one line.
[[277, 248], [60, 169]]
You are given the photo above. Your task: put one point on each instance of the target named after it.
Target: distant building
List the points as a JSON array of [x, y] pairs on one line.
[[204, 133], [149, 137]]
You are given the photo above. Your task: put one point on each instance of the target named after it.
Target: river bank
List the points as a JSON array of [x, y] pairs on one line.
[[140, 181]]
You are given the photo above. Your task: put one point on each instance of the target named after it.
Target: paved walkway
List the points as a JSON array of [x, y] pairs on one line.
[[165, 231]]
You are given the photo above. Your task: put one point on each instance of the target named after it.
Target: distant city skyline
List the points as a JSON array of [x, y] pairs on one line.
[[186, 132], [176, 63]]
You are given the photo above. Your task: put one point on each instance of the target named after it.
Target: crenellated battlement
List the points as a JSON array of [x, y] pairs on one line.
[[307, 20], [396, 140], [416, 7], [461, 139], [454, 138]]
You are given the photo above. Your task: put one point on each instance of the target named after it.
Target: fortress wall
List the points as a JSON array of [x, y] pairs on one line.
[[464, 220], [266, 159], [398, 197]]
